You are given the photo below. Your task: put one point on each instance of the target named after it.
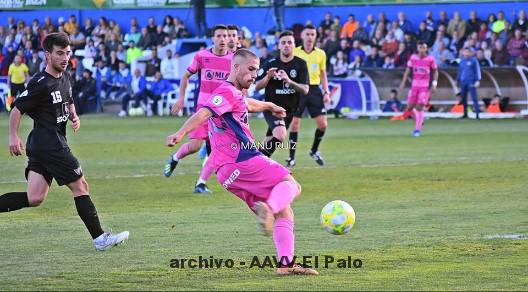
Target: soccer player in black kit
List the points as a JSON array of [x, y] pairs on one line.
[[48, 101], [284, 78]]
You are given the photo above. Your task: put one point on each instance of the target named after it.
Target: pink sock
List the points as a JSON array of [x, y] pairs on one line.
[[207, 170], [182, 152], [282, 195], [419, 120], [284, 239]]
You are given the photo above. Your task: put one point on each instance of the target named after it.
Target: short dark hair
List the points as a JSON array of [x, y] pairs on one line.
[[285, 33], [309, 26], [233, 27], [217, 27], [421, 43], [55, 39], [394, 91], [244, 53]]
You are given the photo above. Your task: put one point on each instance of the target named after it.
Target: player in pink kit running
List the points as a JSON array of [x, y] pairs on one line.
[[212, 66], [422, 65], [266, 186]]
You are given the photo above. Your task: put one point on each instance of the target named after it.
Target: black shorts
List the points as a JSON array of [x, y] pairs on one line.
[[274, 122], [313, 101], [59, 164]]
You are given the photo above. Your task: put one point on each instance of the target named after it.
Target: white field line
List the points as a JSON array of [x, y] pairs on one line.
[[403, 164]]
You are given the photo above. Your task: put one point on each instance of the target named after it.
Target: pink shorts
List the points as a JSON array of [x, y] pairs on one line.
[[418, 95], [201, 132], [252, 180]]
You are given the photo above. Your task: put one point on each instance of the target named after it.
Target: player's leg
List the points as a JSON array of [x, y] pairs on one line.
[[463, 94], [190, 147], [88, 214], [201, 184], [277, 131], [317, 111], [473, 92], [294, 135], [36, 193]]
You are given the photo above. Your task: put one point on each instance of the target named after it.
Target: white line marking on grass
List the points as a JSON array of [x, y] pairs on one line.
[[507, 236]]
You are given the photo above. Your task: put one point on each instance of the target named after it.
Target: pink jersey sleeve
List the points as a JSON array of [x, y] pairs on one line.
[[434, 66], [195, 64], [409, 62], [220, 103]]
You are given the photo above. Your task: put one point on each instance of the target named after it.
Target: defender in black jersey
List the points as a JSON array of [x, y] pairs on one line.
[[284, 78], [48, 101]]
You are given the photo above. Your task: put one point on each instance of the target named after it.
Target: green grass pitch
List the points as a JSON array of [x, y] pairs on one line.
[[426, 209]]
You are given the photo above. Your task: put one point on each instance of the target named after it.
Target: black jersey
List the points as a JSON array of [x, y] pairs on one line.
[[47, 101], [278, 91]]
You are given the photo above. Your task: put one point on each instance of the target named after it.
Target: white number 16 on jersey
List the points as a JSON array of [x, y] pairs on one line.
[[56, 97]]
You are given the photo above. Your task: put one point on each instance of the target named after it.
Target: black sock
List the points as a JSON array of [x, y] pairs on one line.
[[13, 201], [317, 139], [293, 144], [270, 147], [88, 214]]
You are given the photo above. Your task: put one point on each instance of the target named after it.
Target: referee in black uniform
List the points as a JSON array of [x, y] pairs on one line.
[[284, 79], [48, 101]]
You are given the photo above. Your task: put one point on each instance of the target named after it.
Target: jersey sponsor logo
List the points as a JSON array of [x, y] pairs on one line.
[[293, 73], [65, 113], [286, 89], [216, 75], [231, 179], [217, 100]]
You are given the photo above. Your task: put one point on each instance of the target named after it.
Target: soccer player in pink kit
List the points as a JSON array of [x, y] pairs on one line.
[[212, 66], [422, 65], [267, 187]]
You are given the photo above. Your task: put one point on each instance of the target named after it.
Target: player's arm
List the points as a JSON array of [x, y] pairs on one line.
[[192, 123], [15, 144], [262, 83], [303, 88], [76, 122], [434, 84], [256, 106], [405, 76], [324, 82], [184, 82]]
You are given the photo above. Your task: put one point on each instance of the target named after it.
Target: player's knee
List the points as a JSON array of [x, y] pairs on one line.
[[286, 213], [35, 199], [280, 134]]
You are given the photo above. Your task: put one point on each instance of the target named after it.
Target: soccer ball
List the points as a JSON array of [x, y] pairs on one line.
[[338, 217]]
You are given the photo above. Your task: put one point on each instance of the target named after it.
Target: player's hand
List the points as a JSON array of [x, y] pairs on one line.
[[177, 107], [326, 98], [401, 86], [15, 146], [283, 76], [477, 84], [277, 111], [76, 123], [272, 72], [174, 139]]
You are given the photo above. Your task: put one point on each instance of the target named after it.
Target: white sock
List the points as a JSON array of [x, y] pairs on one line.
[[200, 181], [174, 157]]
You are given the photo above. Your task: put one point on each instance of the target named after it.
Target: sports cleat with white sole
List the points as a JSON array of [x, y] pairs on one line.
[[317, 157], [108, 240], [170, 165], [290, 162], [265, 217], [416, 133], [201, 189], [296, 270]]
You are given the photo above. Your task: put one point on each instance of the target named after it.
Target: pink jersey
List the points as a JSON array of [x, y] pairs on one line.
[[421, 70], [212, 70], [229, 133]]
